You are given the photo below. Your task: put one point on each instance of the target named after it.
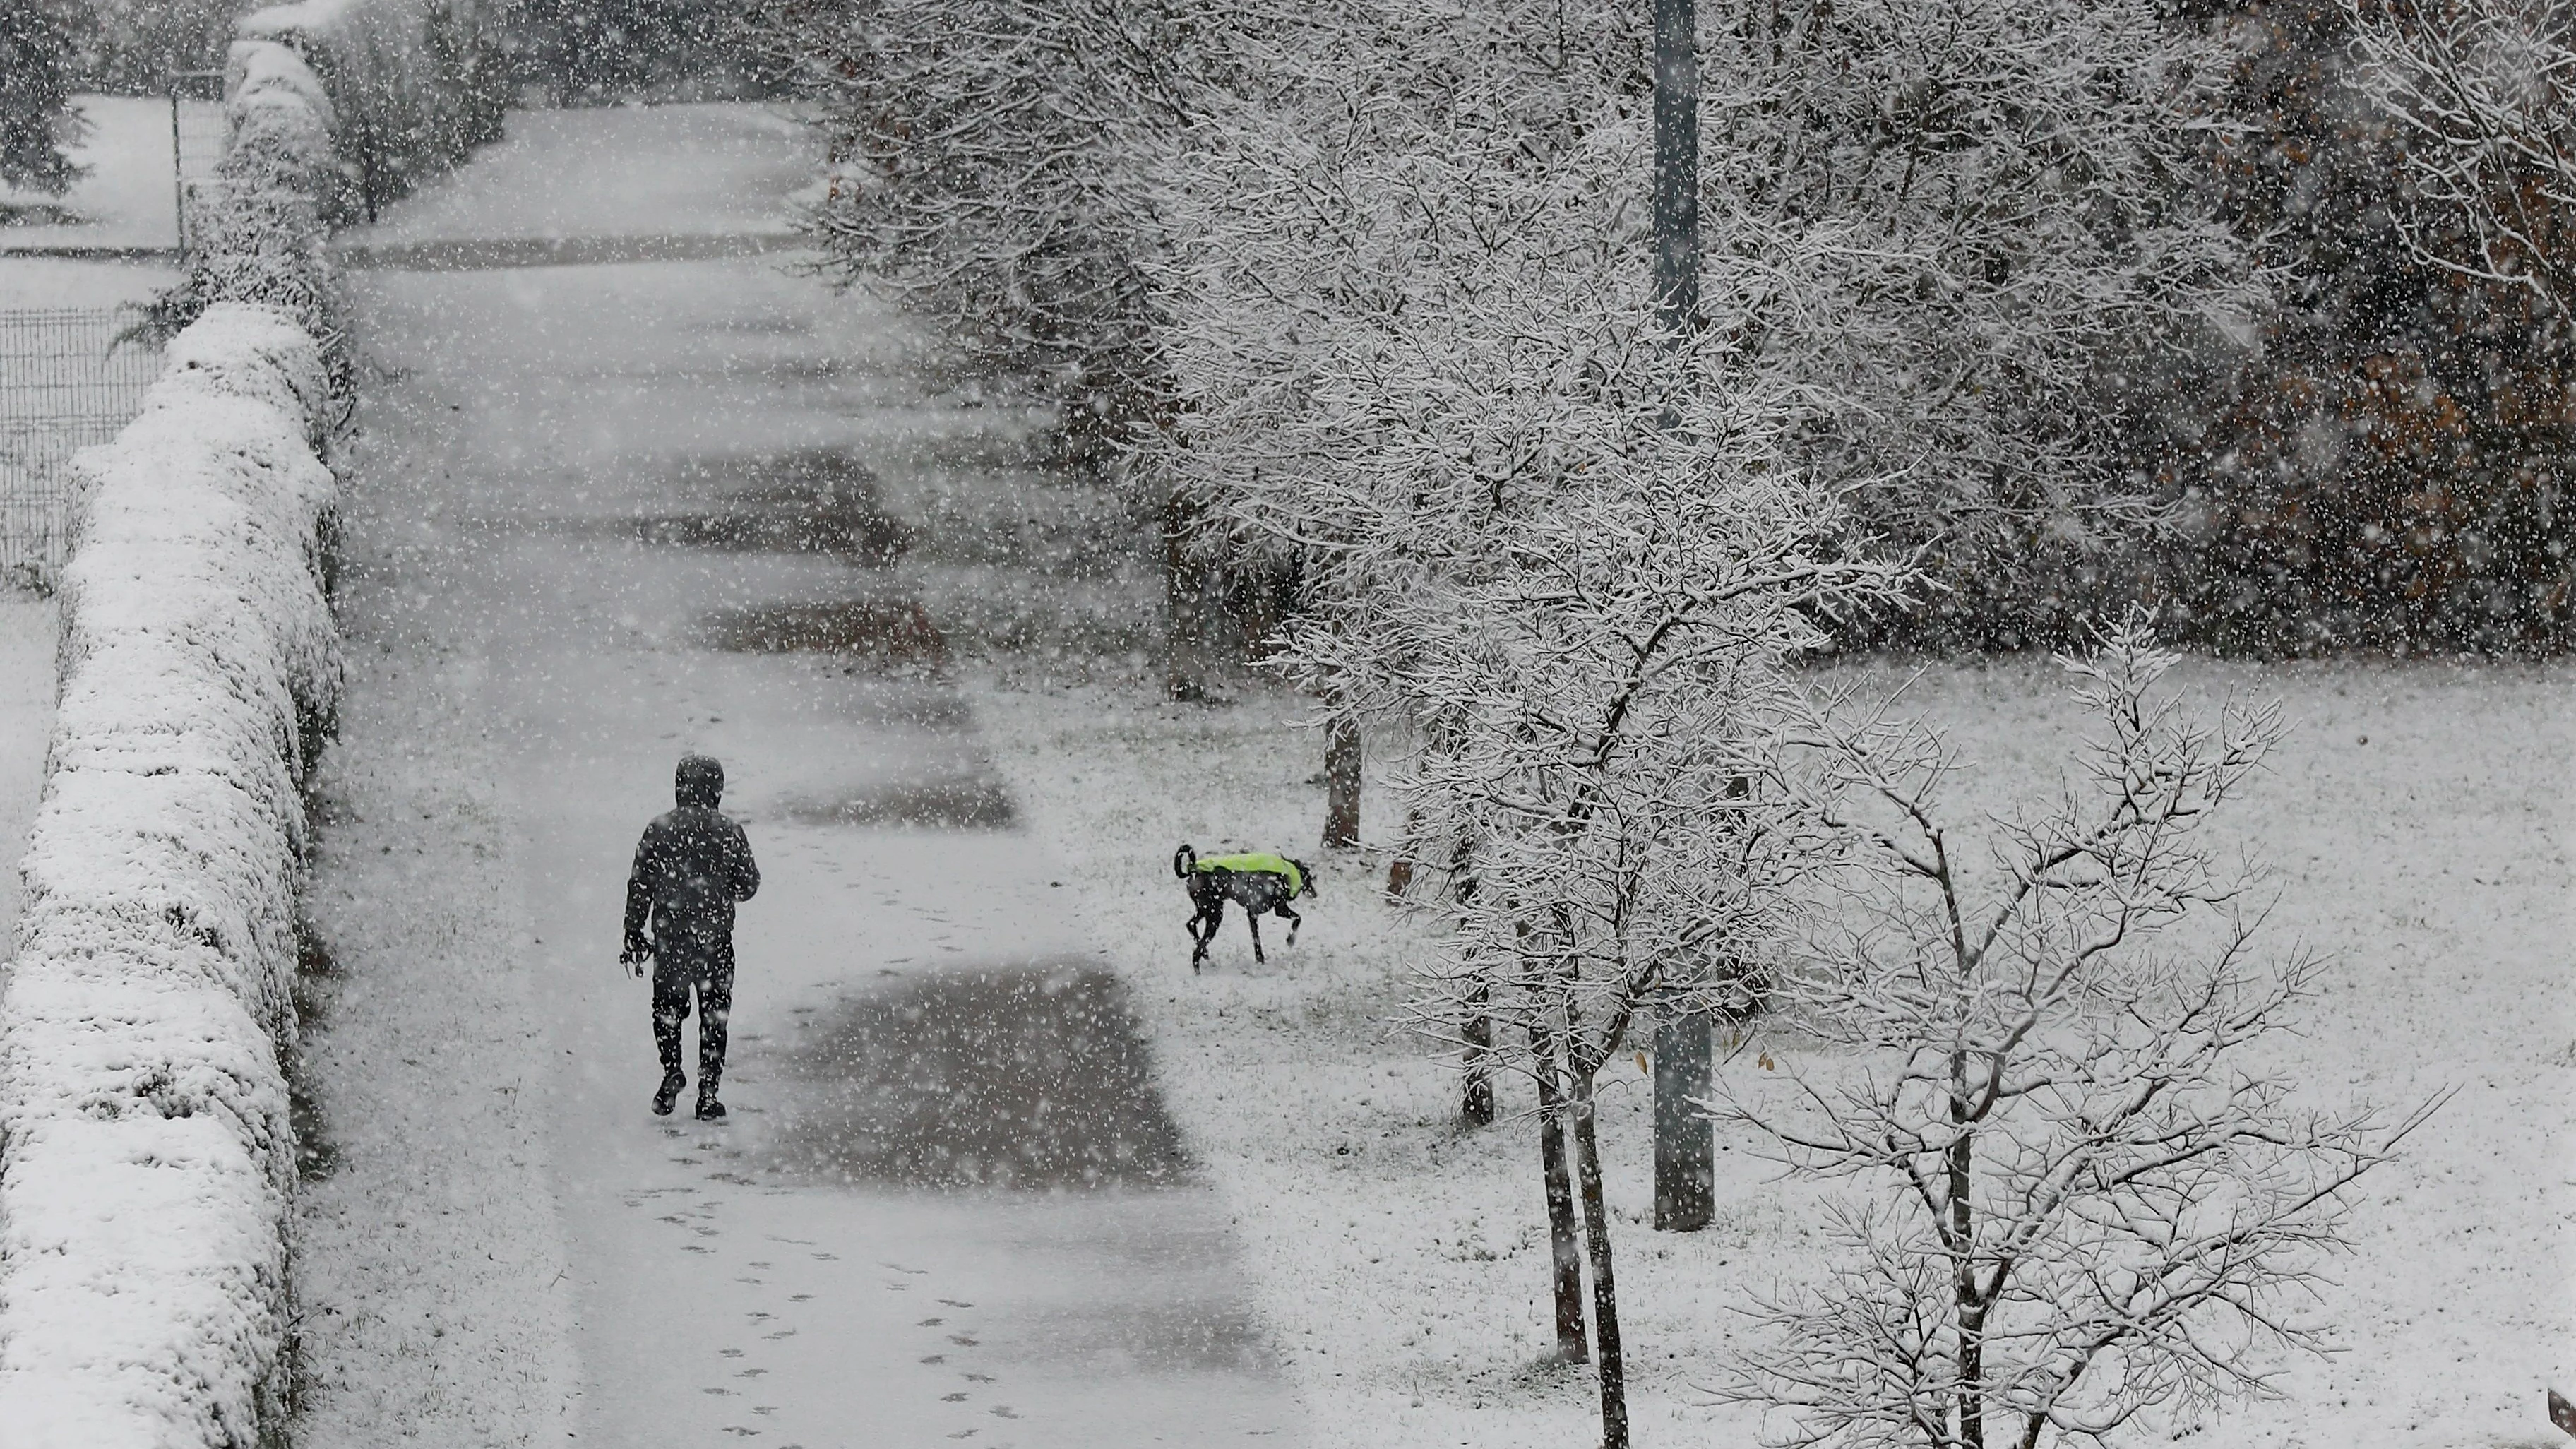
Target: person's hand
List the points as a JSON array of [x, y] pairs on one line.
[[633, 957]]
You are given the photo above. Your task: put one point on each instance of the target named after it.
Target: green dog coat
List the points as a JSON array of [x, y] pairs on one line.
[[1255, 863]]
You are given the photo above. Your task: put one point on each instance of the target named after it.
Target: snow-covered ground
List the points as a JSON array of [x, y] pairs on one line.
[[34, 282], [2419, 817], [127, 201], [626, 171], [26, 718]]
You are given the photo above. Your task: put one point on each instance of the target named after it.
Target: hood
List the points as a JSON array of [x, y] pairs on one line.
[[699, 781]]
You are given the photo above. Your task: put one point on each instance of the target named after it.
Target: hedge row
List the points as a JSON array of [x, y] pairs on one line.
[[146, 1154], [417, 83]]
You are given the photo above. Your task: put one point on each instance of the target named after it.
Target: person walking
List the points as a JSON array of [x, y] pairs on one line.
[[692, 868]]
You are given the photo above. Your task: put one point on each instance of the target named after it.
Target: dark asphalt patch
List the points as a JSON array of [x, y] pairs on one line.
[[805, 501], [813, 500], [965, 803], [823, 528], [1031, 1077], [882, 631]]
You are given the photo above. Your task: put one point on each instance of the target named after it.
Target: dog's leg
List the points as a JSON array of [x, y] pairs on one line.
[[1252, 918], [1215, 923], [1202, 931], [1294, 921]]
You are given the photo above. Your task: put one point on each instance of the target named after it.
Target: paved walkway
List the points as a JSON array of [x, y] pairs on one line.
[[642, 507]]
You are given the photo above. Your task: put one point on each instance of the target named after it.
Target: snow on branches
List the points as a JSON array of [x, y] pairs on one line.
[[39, 45], [1942, 225], [985, 168], [1418, 352], [1926, 229], [2078, 1200], [2484, 92]]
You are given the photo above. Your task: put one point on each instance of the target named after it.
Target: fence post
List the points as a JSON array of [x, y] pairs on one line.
[[178, 81]]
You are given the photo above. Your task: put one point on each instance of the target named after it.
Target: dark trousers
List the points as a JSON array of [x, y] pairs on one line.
[[708, 972]]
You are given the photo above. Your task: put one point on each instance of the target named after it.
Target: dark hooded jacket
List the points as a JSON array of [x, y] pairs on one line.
[[691, 868]]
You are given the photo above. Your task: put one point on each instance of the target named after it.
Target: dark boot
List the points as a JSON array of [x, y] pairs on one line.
[[710, 1072], [669, 1093]]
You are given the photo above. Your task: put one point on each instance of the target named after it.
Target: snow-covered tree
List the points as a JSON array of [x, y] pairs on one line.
[[39, 40], [1418, 349], [133, 45], [2079, 1198], [2485, 94], [1595, 669], [599, 50], [985, 168], [1936, 221]]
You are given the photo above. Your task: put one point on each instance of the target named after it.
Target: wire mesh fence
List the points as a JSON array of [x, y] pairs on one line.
[[69, 377]]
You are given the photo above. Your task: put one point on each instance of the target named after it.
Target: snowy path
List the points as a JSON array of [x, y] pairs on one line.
[[600, 514]]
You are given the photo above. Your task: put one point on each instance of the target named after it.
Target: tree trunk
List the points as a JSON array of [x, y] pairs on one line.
[[1399, 871], [1185, 600], [1566, 1253], [1674, 204], [1476, 1105], [1967, 1304], [1605, 1291], [1685, 1142], [1342, 783]]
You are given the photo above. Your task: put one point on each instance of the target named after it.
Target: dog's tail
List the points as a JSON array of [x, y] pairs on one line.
[[1184, 860]]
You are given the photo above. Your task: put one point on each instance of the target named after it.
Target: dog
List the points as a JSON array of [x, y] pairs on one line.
[[1262, 884]]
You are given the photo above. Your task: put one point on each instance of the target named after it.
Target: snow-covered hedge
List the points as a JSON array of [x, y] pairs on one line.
[[145, 1151], [146, 1155], [417, 83], [256, 228], [282, 125]]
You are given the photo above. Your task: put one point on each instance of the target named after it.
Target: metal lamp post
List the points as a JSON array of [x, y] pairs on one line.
[[1685, 1143]]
